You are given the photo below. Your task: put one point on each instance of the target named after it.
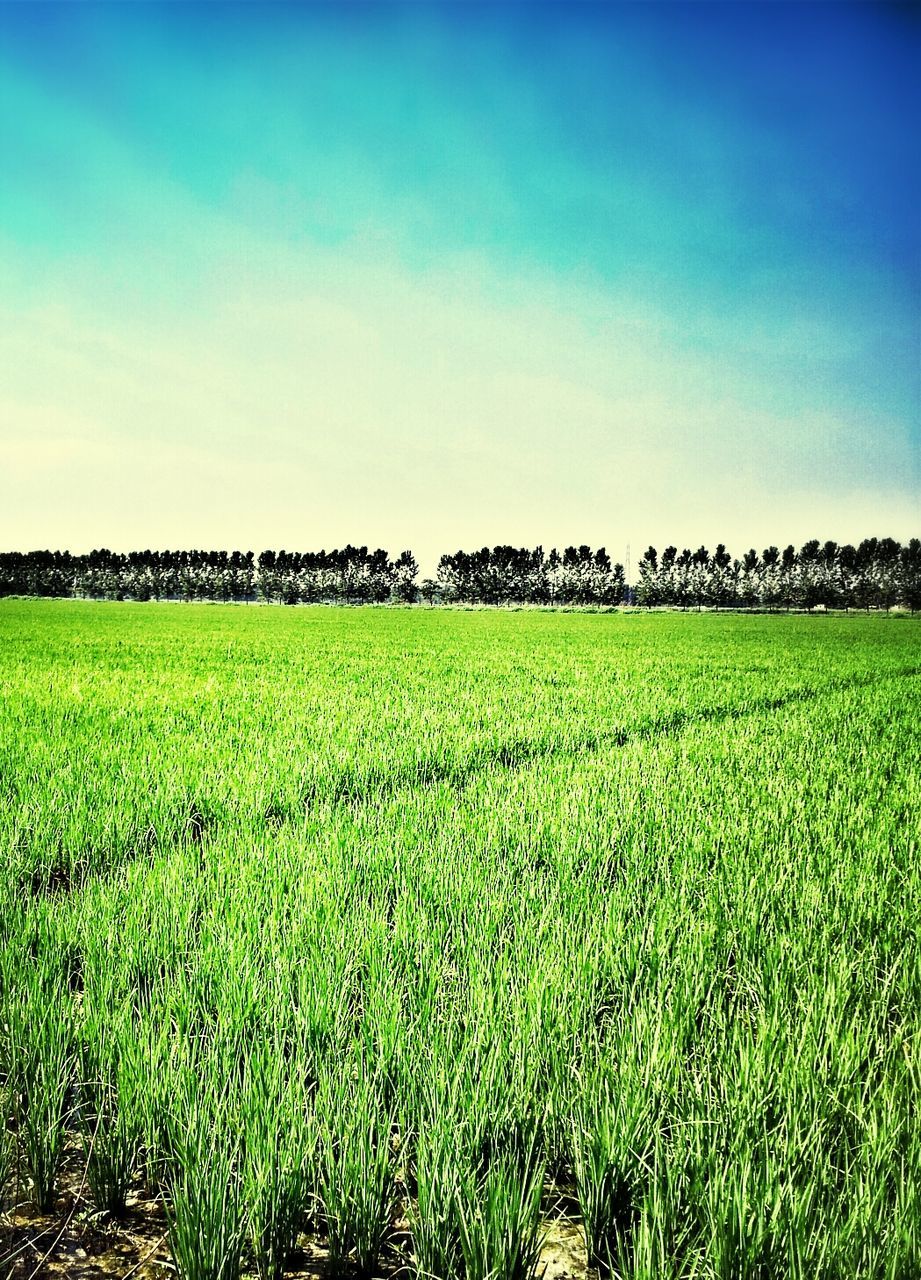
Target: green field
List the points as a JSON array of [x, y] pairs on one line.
[[411, 936]]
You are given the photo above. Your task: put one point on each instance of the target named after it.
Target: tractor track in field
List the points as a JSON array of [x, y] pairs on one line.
[[354, 789]]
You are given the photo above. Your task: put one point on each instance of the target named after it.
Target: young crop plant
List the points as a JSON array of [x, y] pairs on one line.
[[499, 1218], [40, 1077], [7, 1149], [357, 1176], [279, 1157], [110, 1140], [207, 1225], [435, 1214], [611, 1125]]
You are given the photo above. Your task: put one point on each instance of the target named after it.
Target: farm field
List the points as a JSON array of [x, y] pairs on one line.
[[458, 944]]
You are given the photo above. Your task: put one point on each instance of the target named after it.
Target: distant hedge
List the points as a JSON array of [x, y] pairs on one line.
[[877, 574]]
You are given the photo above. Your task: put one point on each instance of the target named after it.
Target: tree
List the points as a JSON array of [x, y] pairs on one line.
[[866, 586], [749, 578], [787, 591], [721, 585], [806, 590], [647, 591], [910, 575], [888, 561], [405, 570], [699, 576]]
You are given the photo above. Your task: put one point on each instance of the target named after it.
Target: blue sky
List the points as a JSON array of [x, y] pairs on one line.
[[444, 275]]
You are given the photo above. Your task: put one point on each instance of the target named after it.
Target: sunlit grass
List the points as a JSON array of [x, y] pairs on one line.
[[392, 930]]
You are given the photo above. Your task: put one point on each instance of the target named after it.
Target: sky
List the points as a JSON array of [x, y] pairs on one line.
[[438, 276]]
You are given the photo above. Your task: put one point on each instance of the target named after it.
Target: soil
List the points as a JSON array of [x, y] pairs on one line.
[[77, 1242]]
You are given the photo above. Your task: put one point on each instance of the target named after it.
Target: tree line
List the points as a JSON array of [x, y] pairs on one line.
[[507, 575], [877, 574], [352, 575]]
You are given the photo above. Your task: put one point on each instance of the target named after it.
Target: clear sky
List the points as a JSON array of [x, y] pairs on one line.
[[440, 276]]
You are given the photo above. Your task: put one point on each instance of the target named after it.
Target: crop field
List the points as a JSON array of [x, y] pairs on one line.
[[458, 945]]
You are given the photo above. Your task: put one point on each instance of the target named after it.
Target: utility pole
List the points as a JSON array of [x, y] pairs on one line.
[[629, 589]]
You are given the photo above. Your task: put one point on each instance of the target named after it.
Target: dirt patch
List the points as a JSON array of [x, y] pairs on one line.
[[563, 1254], [79, 1243]]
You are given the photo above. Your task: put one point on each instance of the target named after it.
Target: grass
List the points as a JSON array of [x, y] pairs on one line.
[[391, 930]]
